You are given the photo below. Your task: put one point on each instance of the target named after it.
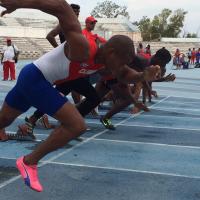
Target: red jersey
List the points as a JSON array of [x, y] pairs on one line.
[[80, 70], [145, 55]]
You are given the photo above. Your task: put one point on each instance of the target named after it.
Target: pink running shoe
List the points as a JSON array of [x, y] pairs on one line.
[[29, 175]]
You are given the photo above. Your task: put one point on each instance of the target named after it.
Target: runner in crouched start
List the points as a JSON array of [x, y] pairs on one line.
[[123, 93]]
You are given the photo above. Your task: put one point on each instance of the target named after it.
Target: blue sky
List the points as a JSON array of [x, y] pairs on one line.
[[139, 8]]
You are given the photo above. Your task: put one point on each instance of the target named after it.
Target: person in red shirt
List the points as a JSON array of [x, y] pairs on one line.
[[90, 23], [193, 58]]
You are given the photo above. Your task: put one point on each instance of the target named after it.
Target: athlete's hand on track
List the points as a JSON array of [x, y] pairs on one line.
[[154, 93], [141, 106], [9, 5], [152, 73], [170, 77]]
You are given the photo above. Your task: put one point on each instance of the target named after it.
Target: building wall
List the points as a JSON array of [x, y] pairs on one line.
[[180, 40], [27, 32]]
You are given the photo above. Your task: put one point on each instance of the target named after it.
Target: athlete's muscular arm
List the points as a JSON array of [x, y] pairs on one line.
[[78, 45], [127, 75], [52, 34]]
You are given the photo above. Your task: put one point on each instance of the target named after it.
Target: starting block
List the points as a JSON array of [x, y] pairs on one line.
[[19, 136]]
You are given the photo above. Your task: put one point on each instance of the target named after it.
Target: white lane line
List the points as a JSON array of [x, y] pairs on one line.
[[185, 103], [184, 97], [188, 92], [176, 109], [164, 116], [160, 127], [7, 158], [127, 170], [146, 143], [197, 87], [4, 184]]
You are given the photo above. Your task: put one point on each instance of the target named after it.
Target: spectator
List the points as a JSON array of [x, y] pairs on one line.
[[183, 62], [177, 60], [189, 54], [198, 56], [193, 58], [90, 23], [58, 31], [140, 48], [148, 51], [9, 58]]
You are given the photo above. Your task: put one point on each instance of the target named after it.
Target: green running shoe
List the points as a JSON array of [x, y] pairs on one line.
[[107, 123]]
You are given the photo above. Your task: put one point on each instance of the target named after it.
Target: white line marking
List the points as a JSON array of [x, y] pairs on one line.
[[186, 103], [176, 117], [146, 143], [176, 91], [183, 97], [177, 87], [11, 180], [177, 109], [160, 127], [7, 158], [126, 170]]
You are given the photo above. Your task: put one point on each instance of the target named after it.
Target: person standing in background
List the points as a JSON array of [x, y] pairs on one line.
[[140, 48], [193, 58], [198, 56], [9, 58], [90, 23], [189, 55]]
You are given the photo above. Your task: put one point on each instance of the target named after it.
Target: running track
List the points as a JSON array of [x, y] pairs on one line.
[[151, 156]]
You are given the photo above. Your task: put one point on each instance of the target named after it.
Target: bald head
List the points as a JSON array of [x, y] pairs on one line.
[[122, 46]]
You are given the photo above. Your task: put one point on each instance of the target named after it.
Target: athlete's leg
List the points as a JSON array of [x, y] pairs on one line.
[[72, 126], [14, 105], [123, 99], [55, 105], [76, 97], [85, 88], [8, 115]]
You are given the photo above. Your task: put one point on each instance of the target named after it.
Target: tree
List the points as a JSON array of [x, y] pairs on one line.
[[191, 35], [109, 9], [144, 26], [165, 24], [176, 23]]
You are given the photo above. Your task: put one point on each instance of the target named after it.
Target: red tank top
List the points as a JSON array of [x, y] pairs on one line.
[[80, 70]]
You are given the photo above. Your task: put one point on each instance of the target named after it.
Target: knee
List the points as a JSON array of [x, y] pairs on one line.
[[80, 126], [77, 128]]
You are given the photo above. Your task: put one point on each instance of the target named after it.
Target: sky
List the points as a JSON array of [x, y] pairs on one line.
[[137, 9]]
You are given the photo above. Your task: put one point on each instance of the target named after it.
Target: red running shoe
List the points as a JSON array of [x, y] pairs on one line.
[[29, 174]]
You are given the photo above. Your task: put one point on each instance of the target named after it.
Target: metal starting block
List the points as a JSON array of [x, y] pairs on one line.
[[19, 136]]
